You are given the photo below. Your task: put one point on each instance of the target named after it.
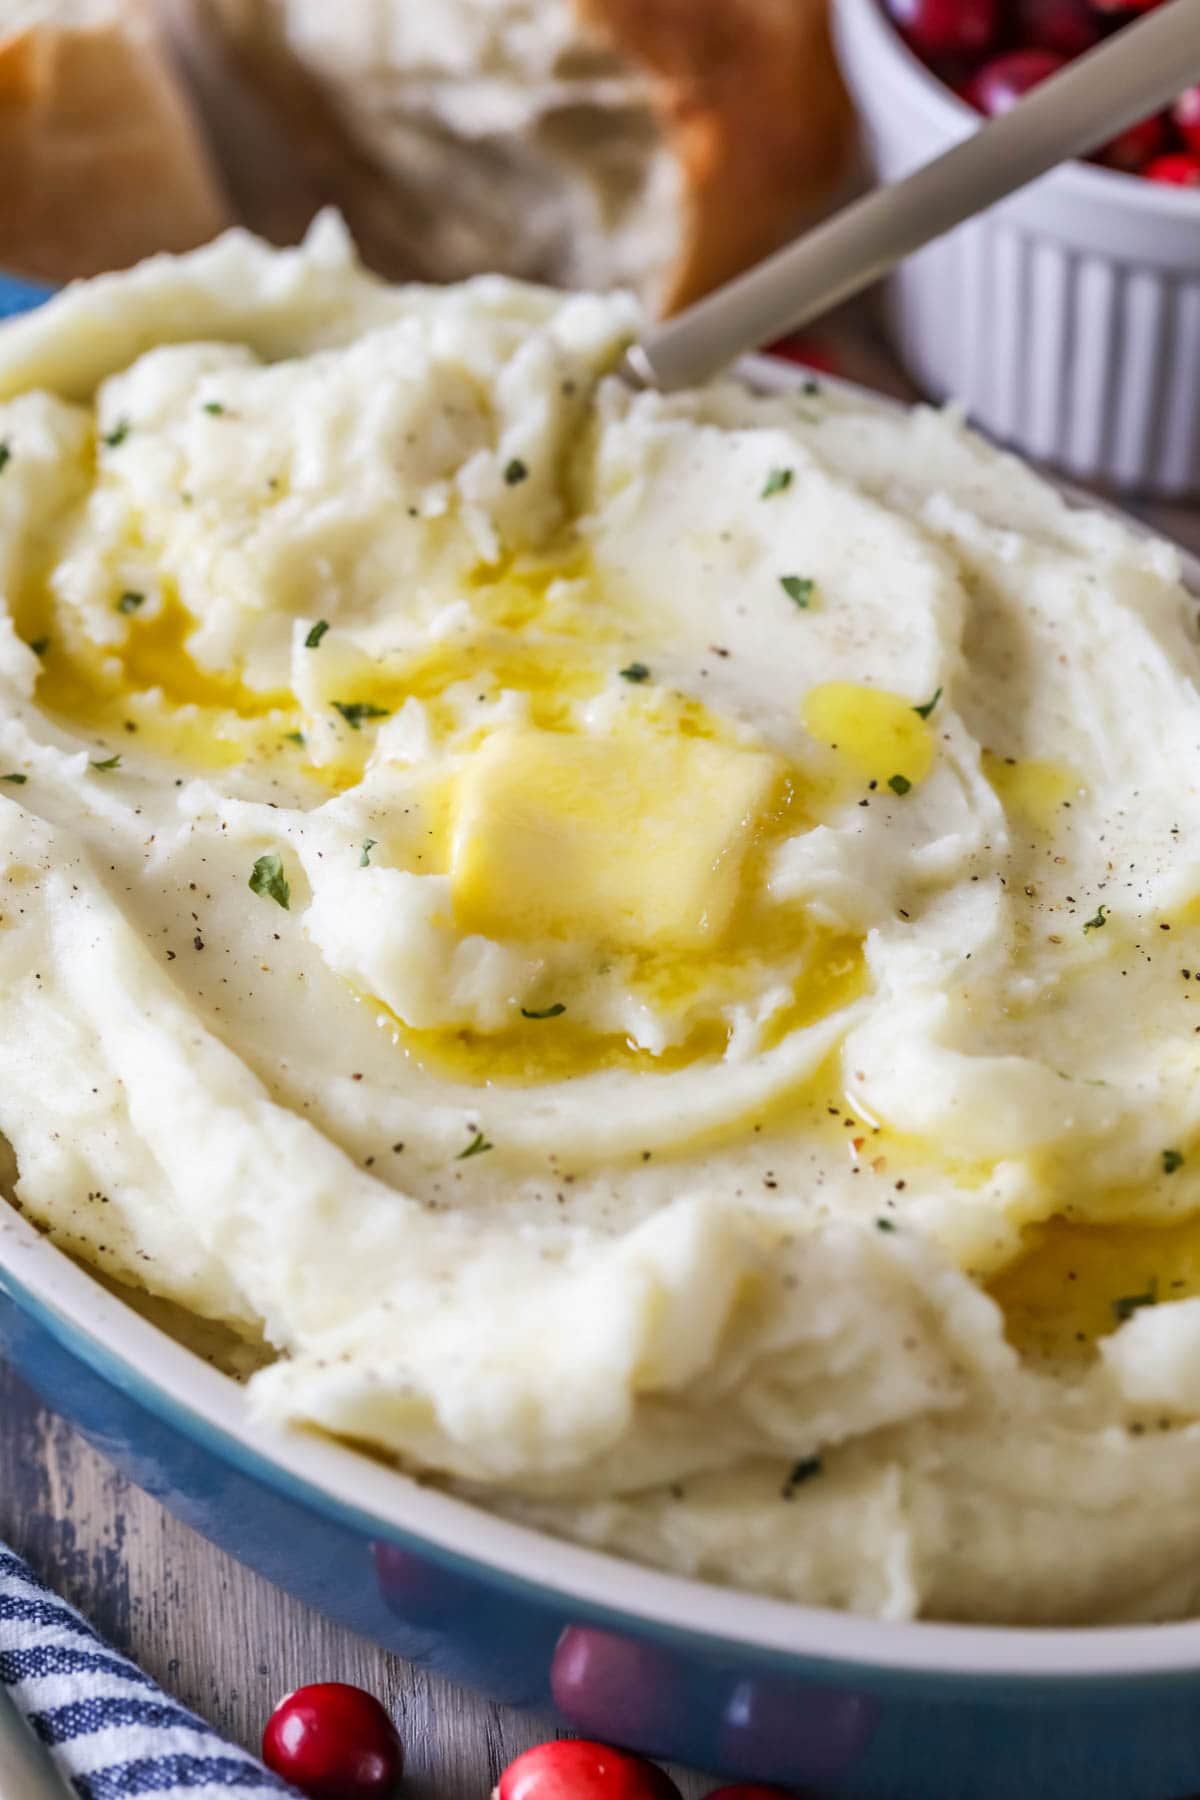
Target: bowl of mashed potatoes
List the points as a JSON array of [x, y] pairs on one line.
[[602, 994]]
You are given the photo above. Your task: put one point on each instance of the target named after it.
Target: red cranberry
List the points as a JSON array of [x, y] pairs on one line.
[[1068, 26], [810, 353], [947, 27], [1186, 116], [1003, 81], [334, 1742], [574, 1769], [1181, 169], [1134, 147], [1121, 6]]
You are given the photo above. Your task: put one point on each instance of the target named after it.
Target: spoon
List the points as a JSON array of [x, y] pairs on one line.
[[26, 1772], [1120, 81]]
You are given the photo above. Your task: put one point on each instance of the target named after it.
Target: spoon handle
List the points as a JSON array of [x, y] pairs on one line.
[[1121, 80]]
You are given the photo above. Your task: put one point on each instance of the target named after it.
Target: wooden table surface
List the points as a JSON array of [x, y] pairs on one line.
[[221, 1638]]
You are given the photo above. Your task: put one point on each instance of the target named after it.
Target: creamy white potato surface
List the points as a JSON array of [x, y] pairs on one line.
[[648, 947]]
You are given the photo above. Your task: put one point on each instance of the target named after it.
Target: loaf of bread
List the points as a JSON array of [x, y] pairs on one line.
[[102, 160], [658, 144]]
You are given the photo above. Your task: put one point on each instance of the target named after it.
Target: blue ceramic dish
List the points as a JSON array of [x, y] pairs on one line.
[[17, 295], [832, 1704]]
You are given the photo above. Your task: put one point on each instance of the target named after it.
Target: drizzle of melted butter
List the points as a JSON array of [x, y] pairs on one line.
[[530, 1052], [554, 676], [1037, 791], [1073, 1284], [202, 718], [872, 734], [535, 628]]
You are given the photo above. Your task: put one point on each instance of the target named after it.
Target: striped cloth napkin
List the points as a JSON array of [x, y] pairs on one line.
[[108, 1730]]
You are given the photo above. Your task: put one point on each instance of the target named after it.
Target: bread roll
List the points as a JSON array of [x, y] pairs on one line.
[[102, 161], [658, 144]]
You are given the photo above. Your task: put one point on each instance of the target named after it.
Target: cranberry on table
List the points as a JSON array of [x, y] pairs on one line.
[[334, 1742], [947, 27], [575, 1769], [1134, 147], [1181, 168], [1185, 115], [1068, 26], [1002, 82]]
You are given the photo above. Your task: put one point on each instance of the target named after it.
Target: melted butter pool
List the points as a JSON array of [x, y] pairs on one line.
[[1036, 791], [872, 735], [1074, 1284]]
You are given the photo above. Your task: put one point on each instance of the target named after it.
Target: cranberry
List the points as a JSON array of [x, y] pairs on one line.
[[1186, 116], [1120, 6], [575, 1769], [1134, 147], [947, 27], [1068, 26], [1181, 169], [1003, 81], [810, 353], [334, 1742]]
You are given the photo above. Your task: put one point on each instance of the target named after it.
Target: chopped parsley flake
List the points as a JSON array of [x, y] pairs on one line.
[[805, 1470], [129, 602], [1172, 1160], [1128, 1304], [798, 588], [1101, 918], [515, 472], [19, 779], [5, 454], [899, 784], [882, 1224], [635, 671], [110, 762], [549, 1012], [368, 845], [293, 737], [316, 634], [811, 388], [39, 646], [269, 880], [355, 711], [117, 435], [476, 1147], [215, 407], [776, 482], [923, 712]]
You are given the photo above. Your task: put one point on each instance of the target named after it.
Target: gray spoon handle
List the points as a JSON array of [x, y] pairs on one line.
[[1134, 73]]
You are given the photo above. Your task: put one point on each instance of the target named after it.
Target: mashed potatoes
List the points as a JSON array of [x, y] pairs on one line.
[[649, 947]]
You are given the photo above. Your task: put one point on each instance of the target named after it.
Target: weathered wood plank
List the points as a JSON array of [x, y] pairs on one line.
[[222, 1639]]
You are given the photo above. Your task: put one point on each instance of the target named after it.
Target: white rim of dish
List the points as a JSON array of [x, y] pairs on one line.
[[382, 1499], [1090, 180]]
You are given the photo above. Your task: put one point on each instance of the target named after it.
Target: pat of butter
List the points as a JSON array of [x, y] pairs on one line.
[[635, 840]]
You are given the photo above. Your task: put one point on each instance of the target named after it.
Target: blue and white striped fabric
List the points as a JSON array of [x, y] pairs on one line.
[[111, 1733]]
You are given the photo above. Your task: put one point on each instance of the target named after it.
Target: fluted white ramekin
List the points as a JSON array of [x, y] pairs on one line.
[[1067, 318]]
